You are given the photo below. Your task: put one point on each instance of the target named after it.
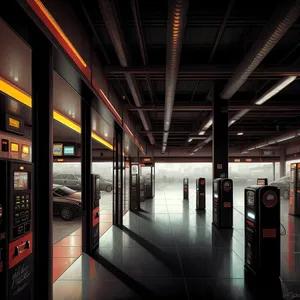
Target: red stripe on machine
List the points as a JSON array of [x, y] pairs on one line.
[[269, 233]]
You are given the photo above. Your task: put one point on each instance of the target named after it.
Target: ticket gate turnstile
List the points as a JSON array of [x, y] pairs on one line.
[[16, 258], [294, 208], [185, 188], [223, 202], [262, 181], [200, 193]]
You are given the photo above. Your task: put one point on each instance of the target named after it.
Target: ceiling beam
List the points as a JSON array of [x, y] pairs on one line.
[[207, 107]]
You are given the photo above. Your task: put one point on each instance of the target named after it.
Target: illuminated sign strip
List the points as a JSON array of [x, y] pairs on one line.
[[45, 16], [14, 92]]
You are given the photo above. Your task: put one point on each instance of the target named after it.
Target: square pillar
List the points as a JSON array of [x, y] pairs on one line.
[[282, 161], [42, 158], [86, 168], [220, 133], [118, 177]]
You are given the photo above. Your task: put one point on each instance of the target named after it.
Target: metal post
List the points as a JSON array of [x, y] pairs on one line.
[[86, 169], [282, 161], [220, 134], [118, 177], [42, 158]]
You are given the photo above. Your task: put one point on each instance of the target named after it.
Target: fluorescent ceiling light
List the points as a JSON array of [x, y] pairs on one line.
[[244, 152], [231, 122], [192, 153], [280, 85], [260, 146], [272, 142], [190, 139], [240, 133], [208, 124], [201, 132], [285, 138], [250, 149]]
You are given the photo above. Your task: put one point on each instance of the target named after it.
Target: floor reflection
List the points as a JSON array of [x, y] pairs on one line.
[[169, 250]]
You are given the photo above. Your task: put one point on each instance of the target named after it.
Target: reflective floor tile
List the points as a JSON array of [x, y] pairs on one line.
[[144, 263], [67, 251], [210, 263], [212, 289], [69, 241], [86, 268], [60, 265]]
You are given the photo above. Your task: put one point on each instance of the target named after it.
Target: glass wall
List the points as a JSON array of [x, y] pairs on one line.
[[126, 186]]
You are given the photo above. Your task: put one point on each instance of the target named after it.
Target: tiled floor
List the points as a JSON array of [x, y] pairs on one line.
[[68, 241], [170, 251]]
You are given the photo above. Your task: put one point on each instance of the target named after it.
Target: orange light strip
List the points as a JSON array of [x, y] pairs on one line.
[[45, 16], [106, 101], [128, 130]]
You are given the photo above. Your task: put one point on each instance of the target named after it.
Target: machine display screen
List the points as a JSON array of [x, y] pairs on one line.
[[260, 181], [20, 181], [250, 198], [69, 150]]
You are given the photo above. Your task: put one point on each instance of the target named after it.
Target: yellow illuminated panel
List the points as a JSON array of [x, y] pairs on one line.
[[21, 168], [102, 141], [14, 147], [69, 123], [60, 160], [12, 91], [25, 149], [13, 123], [147, 159], [59, 30]]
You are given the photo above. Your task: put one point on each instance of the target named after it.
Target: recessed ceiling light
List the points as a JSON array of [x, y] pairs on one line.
[[240, 133], [106, 134]]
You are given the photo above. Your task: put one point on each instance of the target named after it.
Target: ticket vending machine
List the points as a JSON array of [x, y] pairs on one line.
[[16, 258], [200, 193], [262, 181], [96, 195], [294, 208], [185, 188], [223, 202], [262, 233], [134, 187]]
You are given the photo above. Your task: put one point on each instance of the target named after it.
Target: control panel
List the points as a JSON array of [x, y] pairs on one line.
[[96, 195], [15, 229], [185, 188]]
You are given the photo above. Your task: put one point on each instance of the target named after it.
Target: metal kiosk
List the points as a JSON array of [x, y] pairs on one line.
[[200, 193], [223, 202], [16, 258], [148, 172], [95, 211], [294, 208], [262, 237], [134, 187], [185, 188], [262, 181]]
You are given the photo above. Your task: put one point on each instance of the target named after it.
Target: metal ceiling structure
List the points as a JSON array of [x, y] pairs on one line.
[[165, 73]]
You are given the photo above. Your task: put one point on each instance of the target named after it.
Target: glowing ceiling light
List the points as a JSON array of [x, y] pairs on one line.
[[240, 133], [280, 85], [202, 132], [279, 140], [231, 122], [190, 139]]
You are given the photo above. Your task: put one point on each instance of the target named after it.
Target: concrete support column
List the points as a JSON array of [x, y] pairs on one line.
[[220, 133], [282, 161]]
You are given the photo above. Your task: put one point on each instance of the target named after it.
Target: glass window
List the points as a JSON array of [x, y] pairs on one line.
[[71, 177], [64, 176], [58, 176], [63, 191]]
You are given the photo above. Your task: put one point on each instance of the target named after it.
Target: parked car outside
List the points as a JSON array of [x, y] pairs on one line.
[[66, 202], [73, 181], [284, 185]]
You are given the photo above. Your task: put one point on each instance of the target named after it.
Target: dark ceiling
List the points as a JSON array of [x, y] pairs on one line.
[[217, 36]]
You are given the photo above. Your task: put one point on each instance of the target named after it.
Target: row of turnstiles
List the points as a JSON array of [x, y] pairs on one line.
[[261, 220]]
